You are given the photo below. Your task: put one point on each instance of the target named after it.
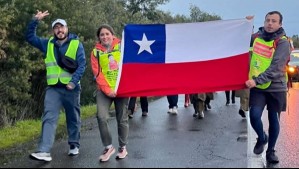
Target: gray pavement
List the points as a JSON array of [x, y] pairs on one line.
[[162, 140], [287, 146]]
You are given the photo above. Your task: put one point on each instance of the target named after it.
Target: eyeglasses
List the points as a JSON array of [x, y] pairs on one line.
[[57, 27]]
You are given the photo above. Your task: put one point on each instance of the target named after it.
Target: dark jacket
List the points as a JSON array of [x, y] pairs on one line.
[[276, 73]]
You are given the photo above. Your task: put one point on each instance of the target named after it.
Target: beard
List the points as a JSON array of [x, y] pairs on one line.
[[60, 36]]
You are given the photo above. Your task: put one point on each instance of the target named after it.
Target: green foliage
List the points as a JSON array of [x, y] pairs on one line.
[[199, 16], [295, 39], [144, 7]]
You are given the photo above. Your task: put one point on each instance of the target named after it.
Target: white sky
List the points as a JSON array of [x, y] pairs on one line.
[[234, 9]]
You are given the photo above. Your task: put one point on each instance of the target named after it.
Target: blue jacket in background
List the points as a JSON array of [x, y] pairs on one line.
[[42, 45]]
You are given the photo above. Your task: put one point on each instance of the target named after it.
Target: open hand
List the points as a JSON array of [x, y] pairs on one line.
[[112, 94], [250, 84], [40, 15]]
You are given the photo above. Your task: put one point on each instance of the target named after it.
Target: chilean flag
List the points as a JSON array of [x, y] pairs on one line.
[[166, 59]]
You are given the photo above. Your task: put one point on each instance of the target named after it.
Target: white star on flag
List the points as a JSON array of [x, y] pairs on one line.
[[144, 44]]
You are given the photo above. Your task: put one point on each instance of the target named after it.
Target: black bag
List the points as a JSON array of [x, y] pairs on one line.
[[68, 64]]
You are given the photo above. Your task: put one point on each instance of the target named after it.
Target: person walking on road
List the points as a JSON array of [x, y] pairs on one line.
[[198, 101], [268, 82], [187, 100], [173, 104], [244, 101], [65, 65], [105, 59], [132, 106], [209, 97], [227, 94]]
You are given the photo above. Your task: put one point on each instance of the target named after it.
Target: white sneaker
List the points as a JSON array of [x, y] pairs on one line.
[[73, 151], [41, 156], [175, 111], [201, 115], [170, 111]]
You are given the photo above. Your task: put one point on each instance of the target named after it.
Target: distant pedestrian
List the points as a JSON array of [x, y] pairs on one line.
[[132, 106], [244, 101], [198, 101], [187, 100], [209, 97], [230, 96], [173, 104], [201, 102]]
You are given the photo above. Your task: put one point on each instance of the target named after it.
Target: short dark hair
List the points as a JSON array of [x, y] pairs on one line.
[[275, 12], [106, 26]]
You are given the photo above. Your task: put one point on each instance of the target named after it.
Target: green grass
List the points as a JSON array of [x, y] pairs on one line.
[[22, 132], [28, 130]]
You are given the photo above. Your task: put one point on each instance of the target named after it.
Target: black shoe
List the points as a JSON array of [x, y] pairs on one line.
[[233, 102], [260, 145], [209, 106], [195, 114], [242, 113], [227, 103], [271, 157]]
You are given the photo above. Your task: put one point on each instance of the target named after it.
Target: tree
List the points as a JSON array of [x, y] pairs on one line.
[[5, 18], [199, 16], [145, 7], [295, 39]]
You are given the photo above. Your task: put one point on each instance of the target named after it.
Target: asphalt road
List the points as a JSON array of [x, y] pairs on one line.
[[221, 140], [288, 141]]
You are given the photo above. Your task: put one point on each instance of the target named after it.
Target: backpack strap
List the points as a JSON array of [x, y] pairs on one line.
[[98, 58], [276, 42], [256, 35]]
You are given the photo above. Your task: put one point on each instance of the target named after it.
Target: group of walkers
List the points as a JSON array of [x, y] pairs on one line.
[[65, 64]]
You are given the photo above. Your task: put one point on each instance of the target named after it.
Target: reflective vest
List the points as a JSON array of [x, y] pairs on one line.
[[261, 58], [109, 64], [54, 72]]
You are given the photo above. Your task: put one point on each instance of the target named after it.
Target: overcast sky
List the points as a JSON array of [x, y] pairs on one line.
[[234, 9]]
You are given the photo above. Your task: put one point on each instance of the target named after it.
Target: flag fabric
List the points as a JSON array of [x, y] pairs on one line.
[[166, 59]]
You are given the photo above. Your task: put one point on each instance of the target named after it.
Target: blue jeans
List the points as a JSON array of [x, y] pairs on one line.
[[173, 101], [55, 99], [275, 102]]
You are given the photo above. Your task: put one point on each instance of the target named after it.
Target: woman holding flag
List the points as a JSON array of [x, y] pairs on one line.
[[105, 59]]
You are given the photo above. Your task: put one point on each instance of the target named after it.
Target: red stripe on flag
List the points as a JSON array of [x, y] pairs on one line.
[[184, 78]]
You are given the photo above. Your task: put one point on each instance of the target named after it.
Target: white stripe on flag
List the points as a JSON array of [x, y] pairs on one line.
[[203, 41]]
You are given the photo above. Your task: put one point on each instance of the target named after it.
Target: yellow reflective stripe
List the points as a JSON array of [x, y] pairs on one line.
[[51, 64], [52, 76], [65, 74]]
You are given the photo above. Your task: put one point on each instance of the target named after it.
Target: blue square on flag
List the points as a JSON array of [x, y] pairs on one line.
[[144, 43]]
